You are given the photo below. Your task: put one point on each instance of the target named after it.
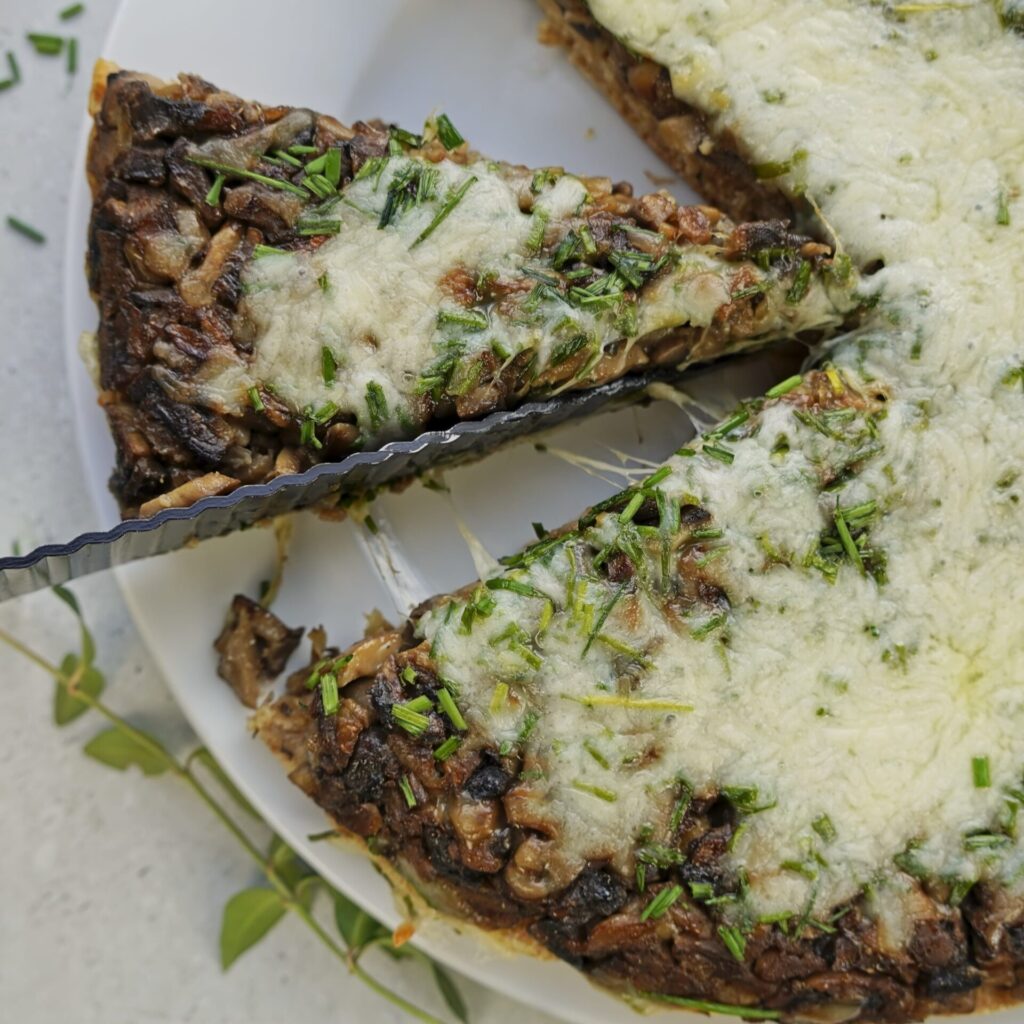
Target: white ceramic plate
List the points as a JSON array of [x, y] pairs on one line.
[[400, 60]]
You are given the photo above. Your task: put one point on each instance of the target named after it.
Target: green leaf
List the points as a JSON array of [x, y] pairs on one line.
[[356, 926], [207, 760], [449, 992], [248, 916], [88, 644], [67, 708], [119, 750]]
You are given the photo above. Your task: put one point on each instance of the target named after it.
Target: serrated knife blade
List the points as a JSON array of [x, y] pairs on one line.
[[358, 473]]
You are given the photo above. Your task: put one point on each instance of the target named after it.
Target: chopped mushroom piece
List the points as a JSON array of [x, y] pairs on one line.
[[254, 646]]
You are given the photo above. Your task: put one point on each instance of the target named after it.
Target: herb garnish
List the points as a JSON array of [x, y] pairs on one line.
[[328, 366], [243, 172], [213, 196], [981, 772], [447, 704], [71, 11], [447, 132], [27, 230], [453, 200], [44, 44], [734, 940], [376, 405], [661, 903], [607, 795], [608, 700]]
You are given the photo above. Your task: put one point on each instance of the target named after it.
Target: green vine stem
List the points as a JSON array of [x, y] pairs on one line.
[[184, 771]]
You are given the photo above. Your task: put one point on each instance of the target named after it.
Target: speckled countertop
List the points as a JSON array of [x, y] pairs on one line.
[[111, 884]]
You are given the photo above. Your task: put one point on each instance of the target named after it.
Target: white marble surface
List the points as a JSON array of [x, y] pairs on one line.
[[112, 884]]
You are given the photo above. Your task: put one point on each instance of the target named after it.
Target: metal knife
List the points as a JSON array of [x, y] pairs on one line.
[[357, 474]]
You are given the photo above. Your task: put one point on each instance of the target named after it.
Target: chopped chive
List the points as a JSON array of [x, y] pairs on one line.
[[515, 586], [624, 648], [986, 841], [301, 150], [447, 748], [325, 413], [719, 453], [243, 172], [446, 208], [737, 419], [332, 166], [1003, 210], [448, 133], [71, 11], [409, 675], [420, 704], [530, 720], [600, 792], [704, 1006], [591, 749], [26, 229], [329, 693], [72, 56], [801, 282], [538, 226], [316, 165], [656, 477], [451, 709], [661, 903], [708, 626], [283, 154], [498, 698], [609, 700], [602, 617], [734, 940], [784, 387], [255, 400], [847, 541], [981, 772], [406, 787], [413, 722], [376, 405], [47, 45], [328, 365], [213, 196], [824, 827], [626, 515], [709, 533], [323, 281]]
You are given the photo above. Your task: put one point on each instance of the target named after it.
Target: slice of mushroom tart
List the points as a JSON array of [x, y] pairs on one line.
[[277, 289], [749, 736]]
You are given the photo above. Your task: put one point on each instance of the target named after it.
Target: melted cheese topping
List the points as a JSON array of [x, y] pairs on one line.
[[377, 297], [859, 701]]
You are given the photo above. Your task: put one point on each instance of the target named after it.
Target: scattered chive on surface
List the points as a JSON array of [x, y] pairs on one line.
[[447, 748], [242, 172], [706, 1006], [406, 787], [784, 387], [447, 132], [72, 64], [734, 940], [71, 11], [981, 771], [600, 792], [329, 693], [27, 230], [451, 709], [213, 196], [45, 44], [255, 400], [661, 903]]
